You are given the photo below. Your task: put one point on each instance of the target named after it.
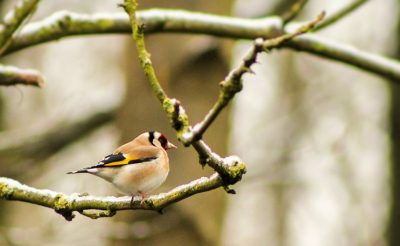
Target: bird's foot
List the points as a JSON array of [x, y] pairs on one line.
[[144, 196]]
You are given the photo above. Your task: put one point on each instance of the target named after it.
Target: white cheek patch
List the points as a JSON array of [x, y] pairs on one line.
[[93, 170], [157, 135]]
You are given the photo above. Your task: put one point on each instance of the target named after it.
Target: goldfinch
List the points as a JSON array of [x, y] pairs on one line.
[[137, 167]]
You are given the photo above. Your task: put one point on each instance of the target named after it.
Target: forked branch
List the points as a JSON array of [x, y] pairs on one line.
[[14, 20], [233, 82]]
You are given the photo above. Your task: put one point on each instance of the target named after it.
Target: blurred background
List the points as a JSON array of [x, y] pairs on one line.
[[319, 138]]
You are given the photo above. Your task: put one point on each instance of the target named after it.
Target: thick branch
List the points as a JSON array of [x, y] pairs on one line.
[[15, 76], [66, 205], [66, 24]]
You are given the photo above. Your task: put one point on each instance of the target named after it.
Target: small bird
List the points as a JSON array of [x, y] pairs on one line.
[[137, 167]]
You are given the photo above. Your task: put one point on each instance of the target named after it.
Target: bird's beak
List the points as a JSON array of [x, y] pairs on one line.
[[171, 146]]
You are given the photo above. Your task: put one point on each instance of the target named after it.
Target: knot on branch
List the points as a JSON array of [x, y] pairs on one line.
[[232, 170], [192, 135], [230, 87], [63, 207], [5, 191], [129, 6], [93, 215], [204, 160], [176, 114]]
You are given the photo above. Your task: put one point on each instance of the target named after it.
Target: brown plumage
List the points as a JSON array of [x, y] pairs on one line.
[[137, 167]]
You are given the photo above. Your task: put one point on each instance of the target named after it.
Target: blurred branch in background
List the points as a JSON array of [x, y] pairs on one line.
[[20, 151], [293, 11], [380, 65], [233, 82], [22, 11], [65, 24], [12, 23], [340, 14], [15, 76]]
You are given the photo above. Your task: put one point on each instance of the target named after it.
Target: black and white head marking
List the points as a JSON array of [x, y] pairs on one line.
[[158, 139], [151, 137]]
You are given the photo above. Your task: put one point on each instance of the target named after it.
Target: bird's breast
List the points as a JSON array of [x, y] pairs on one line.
[[143, 177]]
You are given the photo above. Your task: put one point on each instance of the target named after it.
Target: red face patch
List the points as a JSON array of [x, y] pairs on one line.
[[163, 141]]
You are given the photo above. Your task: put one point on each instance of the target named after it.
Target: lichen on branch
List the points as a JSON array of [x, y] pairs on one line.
[[176, 113], [66, 205]]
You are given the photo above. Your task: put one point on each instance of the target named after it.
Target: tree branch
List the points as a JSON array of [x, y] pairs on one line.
[[66, 205], [229, 168], [66, 24], [294, 10], [340, 14], [13, 76], [380, 65], [13, 20], [144, 56], [233, 82], [18, 151]]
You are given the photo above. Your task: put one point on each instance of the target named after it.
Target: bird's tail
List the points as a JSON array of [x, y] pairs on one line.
[[79, 171]]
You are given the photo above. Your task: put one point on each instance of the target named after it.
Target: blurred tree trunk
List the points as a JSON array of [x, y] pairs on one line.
[[394, 227], [314, 135], [394, 235]]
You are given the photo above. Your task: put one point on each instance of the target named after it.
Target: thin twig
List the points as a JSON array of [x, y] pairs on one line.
[[144, 56], [329, 49], [233, 82], [13, 21], [10, 76], [294, 10], [340, 14]]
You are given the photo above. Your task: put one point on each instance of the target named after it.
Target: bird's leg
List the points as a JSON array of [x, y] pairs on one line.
[[143, 197], [132, 201]]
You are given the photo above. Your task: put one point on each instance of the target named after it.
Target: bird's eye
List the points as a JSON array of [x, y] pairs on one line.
[[163, 141]]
